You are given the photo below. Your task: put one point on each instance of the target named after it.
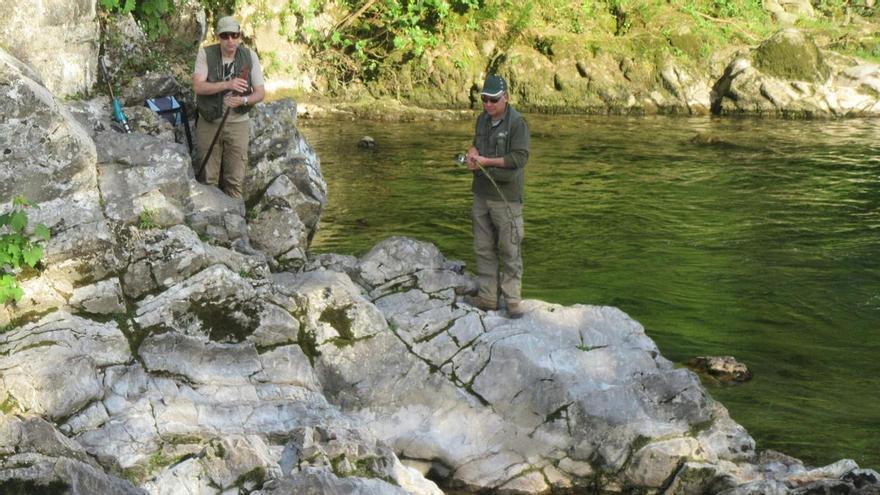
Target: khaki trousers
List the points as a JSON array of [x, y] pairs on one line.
[[226, 166], [498, 235]]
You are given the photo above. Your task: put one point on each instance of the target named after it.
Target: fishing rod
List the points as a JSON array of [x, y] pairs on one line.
[[118, 114], [243, 75]]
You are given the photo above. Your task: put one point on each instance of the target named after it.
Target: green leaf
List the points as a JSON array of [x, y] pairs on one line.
[[41, 232], [9, 289], [32, 255], [14, 253], [18, 221]]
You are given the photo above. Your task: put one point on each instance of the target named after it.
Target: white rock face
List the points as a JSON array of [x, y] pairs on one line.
[[58, 38], [54, 367], [820, 84]]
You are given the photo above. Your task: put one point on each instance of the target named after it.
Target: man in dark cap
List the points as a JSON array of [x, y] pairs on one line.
[[497, 159], [227, 75]]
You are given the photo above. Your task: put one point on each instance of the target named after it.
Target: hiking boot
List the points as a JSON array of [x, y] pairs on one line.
[[515, 310], [480, 303]]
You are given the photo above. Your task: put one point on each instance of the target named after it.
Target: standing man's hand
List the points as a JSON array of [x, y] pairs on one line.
[[238, 85], [471, 159], [232, 101]]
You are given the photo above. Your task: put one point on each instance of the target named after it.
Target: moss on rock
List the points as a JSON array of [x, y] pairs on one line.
[[790, 54]]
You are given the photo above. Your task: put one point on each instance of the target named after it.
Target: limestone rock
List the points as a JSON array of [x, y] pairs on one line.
[[77, 349], [150, 85], [604, 369], [58, 38], [143, 180], [216, 215], [787, 12], [40, 459], [691, 92], [162, 258], [104, 297], [238, 457], [199, 361], [48, 158], [278, 148], [319, 481], [45, 155], [128, 43], [788, 75], [333, 312], [215, 303], [791, 54]]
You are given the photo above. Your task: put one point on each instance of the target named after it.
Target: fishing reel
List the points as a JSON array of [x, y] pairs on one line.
[[460, 158]]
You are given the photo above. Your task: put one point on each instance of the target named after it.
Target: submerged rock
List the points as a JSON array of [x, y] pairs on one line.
[[725, 369]]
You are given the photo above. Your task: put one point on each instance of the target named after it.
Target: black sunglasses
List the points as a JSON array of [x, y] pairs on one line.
[[226, 36], [486, 99]]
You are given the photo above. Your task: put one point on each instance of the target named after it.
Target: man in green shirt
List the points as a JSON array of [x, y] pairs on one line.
[[497, 159]]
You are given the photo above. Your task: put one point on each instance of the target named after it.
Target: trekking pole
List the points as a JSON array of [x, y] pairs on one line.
[[244, 74], [118, 114], [185, 118]]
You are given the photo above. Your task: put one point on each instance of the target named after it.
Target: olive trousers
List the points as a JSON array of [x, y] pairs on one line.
[[226, 165], [498, 234]]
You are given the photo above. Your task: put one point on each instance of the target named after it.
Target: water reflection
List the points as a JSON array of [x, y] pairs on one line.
[[760, 242]]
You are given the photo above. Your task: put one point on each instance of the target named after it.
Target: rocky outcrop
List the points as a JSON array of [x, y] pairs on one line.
[[789, 75], [91, 183], [58, 38], [169, 354]]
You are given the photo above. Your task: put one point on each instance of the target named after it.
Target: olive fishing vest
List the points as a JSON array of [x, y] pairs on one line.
[[211, 106]]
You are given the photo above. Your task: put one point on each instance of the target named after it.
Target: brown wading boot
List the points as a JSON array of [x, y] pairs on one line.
[[515, 310], [479, 302]]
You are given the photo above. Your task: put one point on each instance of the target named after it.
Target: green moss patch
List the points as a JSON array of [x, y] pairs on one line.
[[790, 54], [224, 323]]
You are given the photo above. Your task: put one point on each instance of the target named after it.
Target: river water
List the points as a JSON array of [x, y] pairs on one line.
[[764, 245]]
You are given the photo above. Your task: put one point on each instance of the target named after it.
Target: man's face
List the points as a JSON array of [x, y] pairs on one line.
[[495, 105], [229, 42]]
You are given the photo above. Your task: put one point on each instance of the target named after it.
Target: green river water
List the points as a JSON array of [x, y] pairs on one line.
[[765, 246]]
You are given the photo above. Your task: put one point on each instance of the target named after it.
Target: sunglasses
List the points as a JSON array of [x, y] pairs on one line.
[[226, 36], [486, 99]]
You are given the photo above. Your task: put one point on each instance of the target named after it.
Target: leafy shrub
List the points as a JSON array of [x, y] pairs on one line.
[[18, 248], [151, 14]]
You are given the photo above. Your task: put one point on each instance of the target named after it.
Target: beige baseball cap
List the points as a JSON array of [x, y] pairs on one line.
[[227, 24]]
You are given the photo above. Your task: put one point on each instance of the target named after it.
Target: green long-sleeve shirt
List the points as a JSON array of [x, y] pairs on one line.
[[508, 139]]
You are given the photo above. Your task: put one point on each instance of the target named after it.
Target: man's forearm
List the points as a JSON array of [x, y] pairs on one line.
[[204, 88], [257, 95], [497, 162]]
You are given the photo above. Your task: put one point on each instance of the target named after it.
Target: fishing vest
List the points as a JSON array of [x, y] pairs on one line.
[[211, 106]]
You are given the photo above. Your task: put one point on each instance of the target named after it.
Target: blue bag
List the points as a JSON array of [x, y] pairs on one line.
[[168, 108], [173, 111]]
